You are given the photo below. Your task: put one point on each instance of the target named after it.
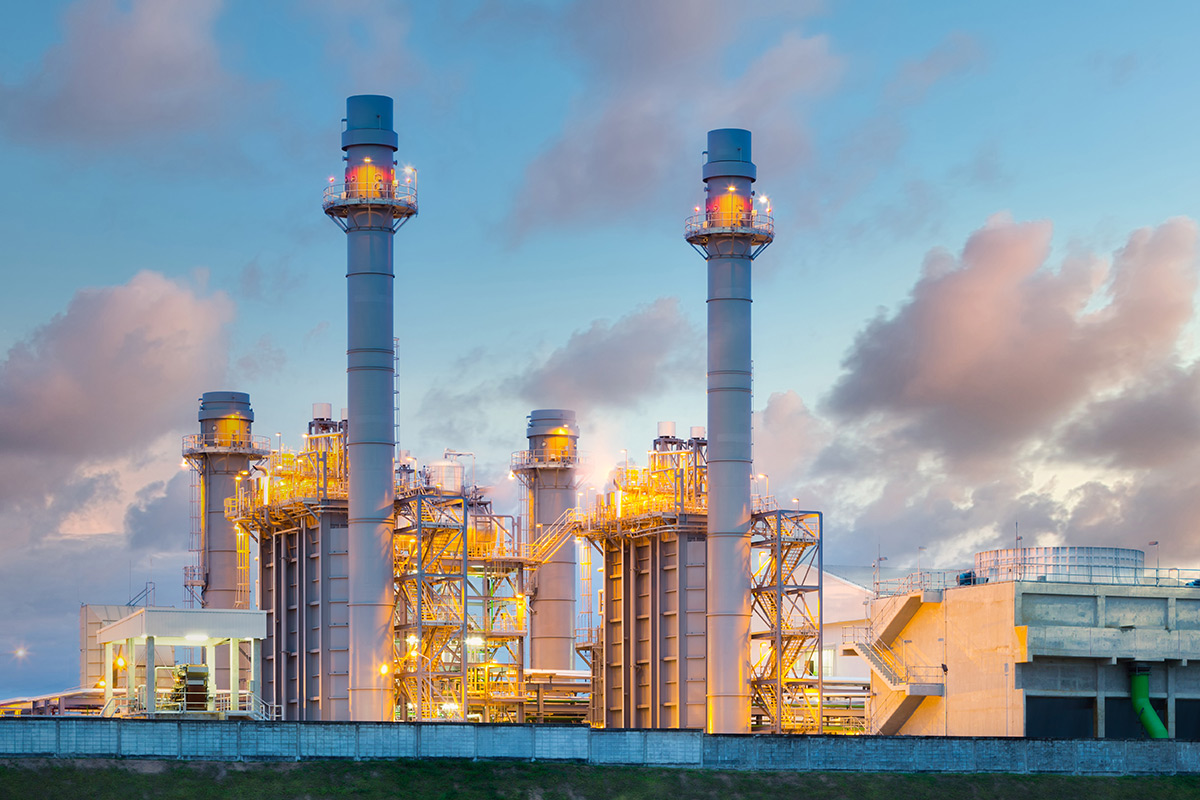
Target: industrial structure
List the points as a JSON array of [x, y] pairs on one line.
[[730, 232], [295, 507], [370, 207], [460, 623], [1071, 642], [391, 591], [650, 657], [220, 456], [547, 474]]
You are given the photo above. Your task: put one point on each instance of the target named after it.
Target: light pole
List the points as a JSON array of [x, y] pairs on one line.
[[1157, 565]]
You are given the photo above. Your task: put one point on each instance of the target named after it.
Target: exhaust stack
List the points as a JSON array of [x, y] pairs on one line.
[[729, 232], [547, 470], [370, 206]]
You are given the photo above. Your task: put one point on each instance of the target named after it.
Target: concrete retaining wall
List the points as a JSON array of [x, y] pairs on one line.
[[72, 737]]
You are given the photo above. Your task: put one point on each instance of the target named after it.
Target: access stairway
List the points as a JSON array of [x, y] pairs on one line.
[[909, 684]]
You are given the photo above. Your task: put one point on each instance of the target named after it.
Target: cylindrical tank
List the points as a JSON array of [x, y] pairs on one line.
[[446, 475], [549, 473], [666, 429], [1071, 564], [368, 210], [730, 237], [223, 458]]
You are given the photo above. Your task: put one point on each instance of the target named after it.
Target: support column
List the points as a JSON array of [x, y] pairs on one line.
[[130, 673], [210, 659], [256, 668], [235, 660], [151, 678], [109, 675], [1172, 672]]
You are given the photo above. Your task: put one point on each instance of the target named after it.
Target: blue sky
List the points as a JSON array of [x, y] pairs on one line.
[[979, 308]]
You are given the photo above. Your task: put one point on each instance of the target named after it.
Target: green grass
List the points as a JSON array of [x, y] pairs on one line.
[[433, 780]]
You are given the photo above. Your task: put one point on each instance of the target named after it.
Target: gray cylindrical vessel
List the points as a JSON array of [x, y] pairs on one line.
[[369, 209], [549, 473], [730, 235]]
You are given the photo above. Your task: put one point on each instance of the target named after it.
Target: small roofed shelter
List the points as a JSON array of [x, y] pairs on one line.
[[150, 628]]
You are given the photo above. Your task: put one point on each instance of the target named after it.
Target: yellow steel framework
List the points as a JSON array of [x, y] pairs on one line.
[[460, 621], [786, 673], [290, 484]]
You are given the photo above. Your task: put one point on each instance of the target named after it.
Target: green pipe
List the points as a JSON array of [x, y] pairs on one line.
[[1139, 693]]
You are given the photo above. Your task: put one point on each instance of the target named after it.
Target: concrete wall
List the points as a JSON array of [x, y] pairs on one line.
[[1005, 642], [67, 737], [971, 631]]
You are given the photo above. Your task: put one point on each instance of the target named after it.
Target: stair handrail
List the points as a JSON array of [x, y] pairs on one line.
[[552, 537]]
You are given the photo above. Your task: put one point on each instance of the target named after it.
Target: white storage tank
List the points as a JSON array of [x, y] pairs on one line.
[[446, 475], [1064, 564]]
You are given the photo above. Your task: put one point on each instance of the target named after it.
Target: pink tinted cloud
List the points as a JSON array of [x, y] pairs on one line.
[[993, 347], [112, 372]]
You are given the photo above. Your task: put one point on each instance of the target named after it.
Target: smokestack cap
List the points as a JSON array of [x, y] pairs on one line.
[[548, 421], [729, 155], [369, 121], [225, 405]]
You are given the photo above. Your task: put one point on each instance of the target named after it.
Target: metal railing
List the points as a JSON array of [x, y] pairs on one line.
[[357, 193], [196, 442], [887, 661], [554, 536], [542, 458], [1041, 572], [756, 222]]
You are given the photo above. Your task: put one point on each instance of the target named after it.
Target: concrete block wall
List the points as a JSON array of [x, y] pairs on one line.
[[75, 737]]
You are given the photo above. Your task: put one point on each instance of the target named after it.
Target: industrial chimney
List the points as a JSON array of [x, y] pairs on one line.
[[221, 455], [370, 207], [729, 232], [547, 470]]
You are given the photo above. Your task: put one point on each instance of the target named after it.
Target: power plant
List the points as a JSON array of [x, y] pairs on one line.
[[343, 581]]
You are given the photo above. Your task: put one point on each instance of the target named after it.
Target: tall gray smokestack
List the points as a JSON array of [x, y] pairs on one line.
[[729, 232], [370, 207]]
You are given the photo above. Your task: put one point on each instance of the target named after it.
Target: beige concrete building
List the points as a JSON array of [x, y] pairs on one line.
[[1028, 647]]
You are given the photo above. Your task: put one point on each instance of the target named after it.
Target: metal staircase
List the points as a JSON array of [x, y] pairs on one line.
[[908, 684]]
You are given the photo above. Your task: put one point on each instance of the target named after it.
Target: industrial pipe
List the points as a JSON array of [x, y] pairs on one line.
[[1139, 694]]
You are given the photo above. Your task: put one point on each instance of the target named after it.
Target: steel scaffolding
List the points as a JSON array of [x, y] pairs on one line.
[[460, 609], [787, 685]]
